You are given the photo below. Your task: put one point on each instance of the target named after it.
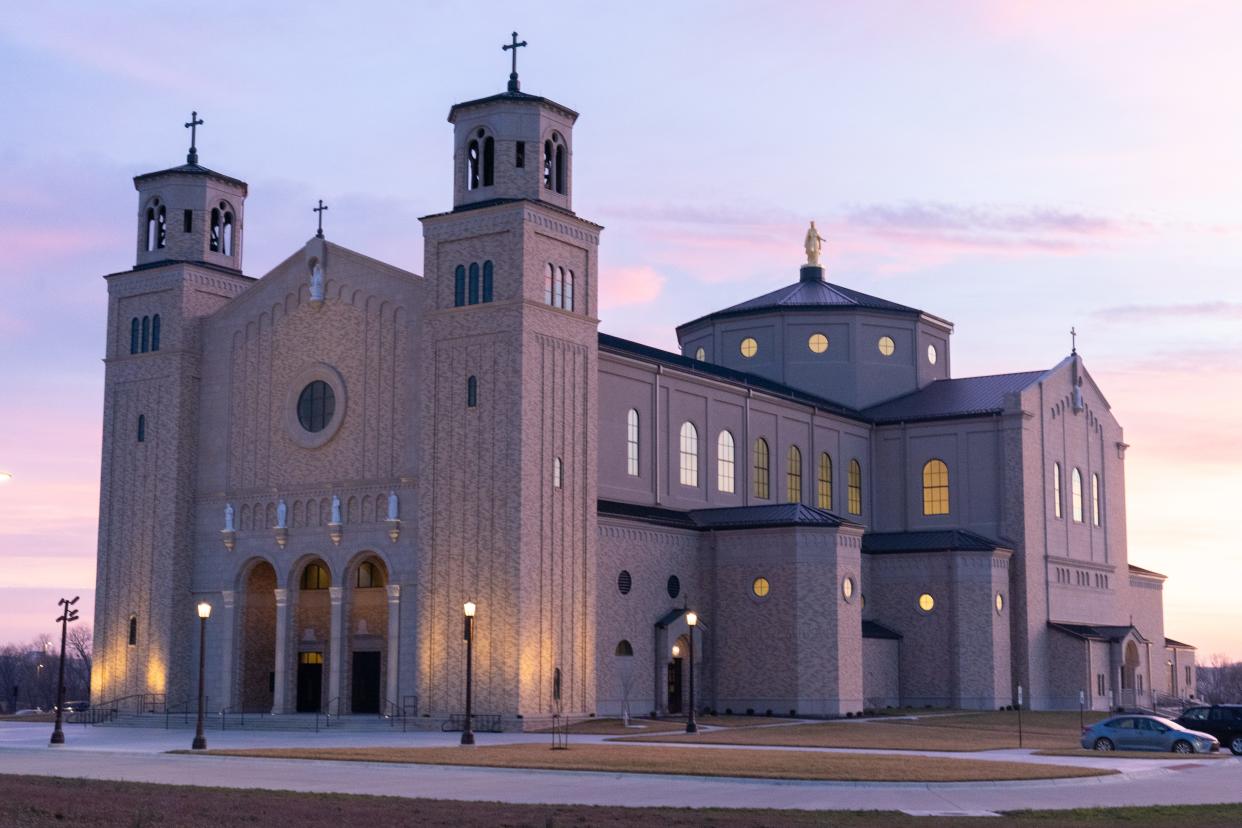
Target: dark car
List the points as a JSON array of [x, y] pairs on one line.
[[1224, 721]]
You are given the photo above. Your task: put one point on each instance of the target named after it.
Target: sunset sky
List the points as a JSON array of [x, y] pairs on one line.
[[1017, 168]]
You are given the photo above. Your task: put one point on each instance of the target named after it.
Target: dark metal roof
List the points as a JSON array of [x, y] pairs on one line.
[[514, 97], [616, 344], [1096, 631], [724, 519], [871, 629], [1178, 645], [649, 514], [193, 169], [939, 540], [1138, 570], [947, 398]]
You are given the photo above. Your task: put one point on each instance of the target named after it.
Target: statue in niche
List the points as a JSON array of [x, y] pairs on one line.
[[814, 245], [362, 627], [336, 509], [228, 517], [282, 512], [316, 283], [392, 505]]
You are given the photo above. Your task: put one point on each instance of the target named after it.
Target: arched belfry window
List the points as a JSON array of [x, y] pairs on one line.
[[793, 475], [227, 232], [763, 470], [560, 168], [459, 286], [155, 332], [489, 161], [161, 227], [146, 334], [547, 164], [487, 277], [134, 341], [472, 392], [473, 297], [215, 229], [152, 230], [472, 164], [935, 488]]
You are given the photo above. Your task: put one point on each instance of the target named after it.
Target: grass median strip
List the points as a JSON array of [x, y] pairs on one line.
[[762, 764]]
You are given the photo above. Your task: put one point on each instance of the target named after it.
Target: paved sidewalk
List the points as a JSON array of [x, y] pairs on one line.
[[133, 755]]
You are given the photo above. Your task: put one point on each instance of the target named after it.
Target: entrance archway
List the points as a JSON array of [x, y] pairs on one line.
[[366, 635], [258, 636], [1129, 673], [312, 614]]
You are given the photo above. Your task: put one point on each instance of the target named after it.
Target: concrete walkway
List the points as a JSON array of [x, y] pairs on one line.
[[136, 755]]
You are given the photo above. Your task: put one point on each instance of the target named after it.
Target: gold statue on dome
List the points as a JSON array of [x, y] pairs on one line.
[[814, 244]]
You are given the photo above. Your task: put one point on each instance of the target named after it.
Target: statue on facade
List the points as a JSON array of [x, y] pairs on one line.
[[316, 283], [282, 512], [814, 245], [228, 517], [392, 505], [336, 509]]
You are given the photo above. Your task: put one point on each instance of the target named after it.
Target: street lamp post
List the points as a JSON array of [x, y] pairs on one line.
[[204, 612], [692, 620], [467, 733], [70, 614]]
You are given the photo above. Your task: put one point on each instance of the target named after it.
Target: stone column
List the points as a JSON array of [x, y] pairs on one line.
[[336, 652], [282, 634], [394, 643], [227, 630]]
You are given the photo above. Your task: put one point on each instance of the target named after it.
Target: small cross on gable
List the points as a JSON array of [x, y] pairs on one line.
[[319, 210]]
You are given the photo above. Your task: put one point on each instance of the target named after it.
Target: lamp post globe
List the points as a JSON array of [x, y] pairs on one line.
[[204, 612], [692, 621]]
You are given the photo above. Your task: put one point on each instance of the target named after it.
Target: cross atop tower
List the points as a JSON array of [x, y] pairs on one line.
[[319, 210], [192, 126], [514, 86], [1073, 341]]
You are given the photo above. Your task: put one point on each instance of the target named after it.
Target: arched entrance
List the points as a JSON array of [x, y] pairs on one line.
[[678, 666], [366, 636], [258, 635], [312, 614], [1130, 675]]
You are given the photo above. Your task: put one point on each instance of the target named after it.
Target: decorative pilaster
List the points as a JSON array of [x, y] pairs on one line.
[[335, 652], [227, 627], [394, 644], [282, 635]]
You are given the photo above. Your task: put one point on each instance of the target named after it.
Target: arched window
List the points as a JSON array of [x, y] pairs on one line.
[[369, 576], [1056, 489], [161, 232], [724, 462], [548, 278], [823, 485], [689, 454], [155, 332], [547, 164], [152, 229], [133, 630], [472, 392], [489, 161], [315, 576], [215, 230], [854, 487], [1095, 499], [793, 475], [487, 277], [142, 428], [624, 648], [133, 335], [1076, 494], [558, 473], [631, 442], [558, 288], [569, 291], [763, 466], [474, 284], [935, 488], [146, 334], [459, 286], [472, 165], [560, 168], [227, 232]]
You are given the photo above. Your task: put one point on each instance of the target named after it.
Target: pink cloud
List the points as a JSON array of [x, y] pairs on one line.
[[621, 286]]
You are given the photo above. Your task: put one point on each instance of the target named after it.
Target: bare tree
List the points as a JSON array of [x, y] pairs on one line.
[[1220, 680]]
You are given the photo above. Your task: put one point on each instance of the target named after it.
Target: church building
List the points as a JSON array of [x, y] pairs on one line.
[[339, 454]]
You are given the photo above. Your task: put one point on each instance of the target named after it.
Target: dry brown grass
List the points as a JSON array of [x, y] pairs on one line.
[[953, 732], [763, 764], [614, 727]]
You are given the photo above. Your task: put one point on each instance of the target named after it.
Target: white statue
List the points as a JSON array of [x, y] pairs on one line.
[[814, 244], [336, 509], [392, 505], [316, 283], [282, 512], [228, 517]]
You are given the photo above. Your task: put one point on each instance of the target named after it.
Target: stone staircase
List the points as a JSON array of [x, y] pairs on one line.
[[296, 722]]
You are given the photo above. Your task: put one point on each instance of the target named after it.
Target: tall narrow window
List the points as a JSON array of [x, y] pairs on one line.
[[631, 442], [823, 485], [472, 392], [935, 488], [472, 165], [854, 487], [558, 288], [487, 279], [689, 454], [1095, 499], [155, 332], [569, 291], [227, 234], [133, 335], [547, 165], [161, 228], [548, 278], [1076, 494], [152, 231], [763, 469], [215, 230], [519, 154], [474, 284], [558, 473], [187, 221], [560, 169], [146, 334], [459, 286], [1056, 489], [133, 630], [793, 475], [489, 161], [724, 462], [142, 428]]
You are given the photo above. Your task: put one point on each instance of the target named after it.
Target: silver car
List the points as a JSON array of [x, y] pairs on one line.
[[1146, 733]]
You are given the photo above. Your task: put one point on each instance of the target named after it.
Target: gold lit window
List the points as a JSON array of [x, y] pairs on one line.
[[935, 488], [760, 587], [1076, 494], [818, 343], [689, 454], [926, 602], [1000, 603], [631, 442], [1056, 489], [369, 575], [1095, 499], [886, 345], [724, 462], [749, 347], [823, 486], [762, 469], [793, 475], [854, 486], [310, 658], [315, 576]]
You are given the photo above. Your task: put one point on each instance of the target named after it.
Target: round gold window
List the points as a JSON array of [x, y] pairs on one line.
[[760, 587], [818, 343], [886, 345], [926, 602], [749, 347], [1000, 603], [847, 588]]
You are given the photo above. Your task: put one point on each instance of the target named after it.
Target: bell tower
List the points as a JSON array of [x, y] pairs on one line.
[[509, 503]]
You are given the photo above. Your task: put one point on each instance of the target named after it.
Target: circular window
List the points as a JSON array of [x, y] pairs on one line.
[[862, 600], [847, 588], [1000, 603], [886, 345], [316, 404], [760, 587], [931, 354], [749, 347], [674, 586], [926, 602], [818, 343], [700, 354], [624, 583]]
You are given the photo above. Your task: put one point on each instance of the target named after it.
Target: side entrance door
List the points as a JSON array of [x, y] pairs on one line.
[[674, 686], [310, 682], [366, 683]]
